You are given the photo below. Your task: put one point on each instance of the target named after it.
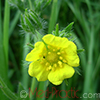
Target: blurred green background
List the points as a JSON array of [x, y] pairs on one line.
[[15, 33]]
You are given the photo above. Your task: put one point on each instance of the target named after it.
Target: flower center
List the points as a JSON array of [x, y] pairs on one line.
[[53, 58]]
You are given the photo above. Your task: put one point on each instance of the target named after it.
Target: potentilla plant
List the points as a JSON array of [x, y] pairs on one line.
[[54, 56]]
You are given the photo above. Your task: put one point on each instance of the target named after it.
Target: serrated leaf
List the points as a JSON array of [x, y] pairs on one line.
[[28, 22], [26, 13], [23, 24], [35, 18]]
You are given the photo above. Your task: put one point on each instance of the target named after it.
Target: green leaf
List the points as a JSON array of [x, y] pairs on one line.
[[34, 84], [6, 32], [42, 86], [30, 4], [54, 15], [38, 36], [30, 25], [46, 4], [0, 22], [61, 34], [80, 50], [66, 82], [22, 93], [14, 22], [68, 35], [78, 72], [57, 30], [30, 45], [7, 91], [69, 27], [23, 24], [77, 69], [35, 18]]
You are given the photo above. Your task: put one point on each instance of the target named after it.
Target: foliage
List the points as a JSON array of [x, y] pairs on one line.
[[23, 22]]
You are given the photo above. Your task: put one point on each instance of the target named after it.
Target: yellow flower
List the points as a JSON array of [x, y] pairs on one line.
[[53, 59]]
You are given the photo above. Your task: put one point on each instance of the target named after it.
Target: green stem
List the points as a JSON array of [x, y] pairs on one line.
[[30, 45], [42, 86], [6, 32], [30, 3], [63, 87], [54, 15], [0, 22], [7, 91], [57, 30], [33, 86], [96, 70], [3, 65], [89, 69], [14, 22], [24, 70], [11, 55]]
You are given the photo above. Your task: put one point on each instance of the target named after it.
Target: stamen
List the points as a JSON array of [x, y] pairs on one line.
[[49, 52], [55, 65], [40, 55], [58, 48], [41, 62], [44, 54], [64, 61], [49, 67], [48, 46], [62, 52], [61, 66], [53, 69], [44, 48], [59, 62], [60, 58], [54, 50], [58, 53], [43, 59], [47, 64]]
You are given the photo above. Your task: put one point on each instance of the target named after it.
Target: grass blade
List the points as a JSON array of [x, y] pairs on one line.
[[14, 22], [54, 15], [6, 32], [7, 91]]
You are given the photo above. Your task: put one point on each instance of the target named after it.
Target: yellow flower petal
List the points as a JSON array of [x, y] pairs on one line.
[[73, 60], [38, 71], [56, 77], [55, 41], [71, 54], [36, 52]]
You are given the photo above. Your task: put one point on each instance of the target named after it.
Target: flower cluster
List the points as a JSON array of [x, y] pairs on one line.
[[53, 59]]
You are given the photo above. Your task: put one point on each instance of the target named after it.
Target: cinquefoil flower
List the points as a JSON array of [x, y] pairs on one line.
[[53, 59]]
